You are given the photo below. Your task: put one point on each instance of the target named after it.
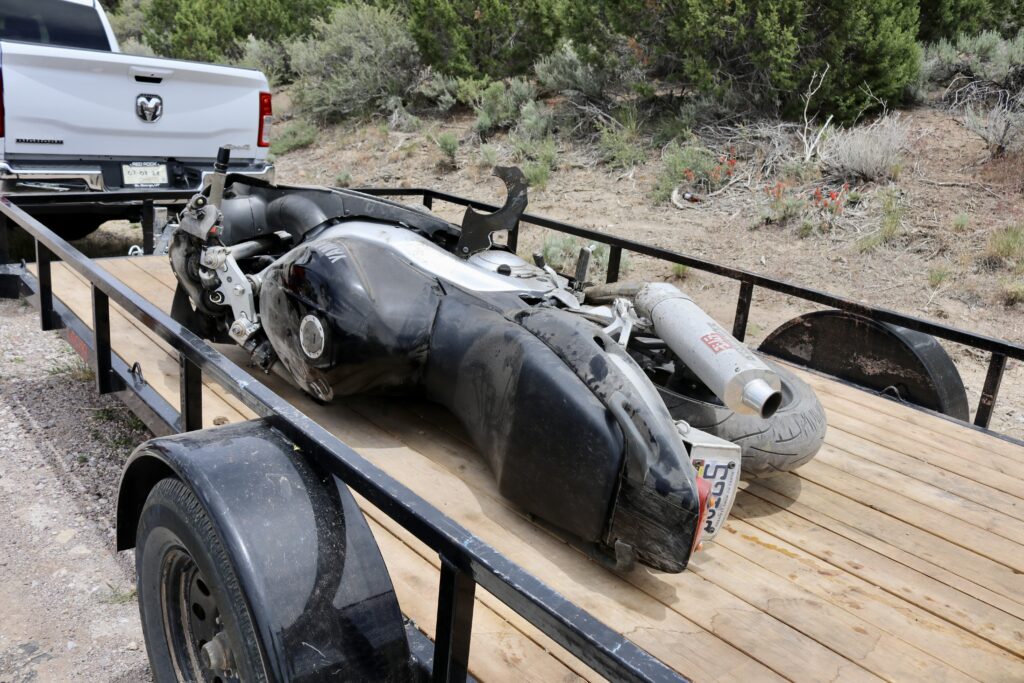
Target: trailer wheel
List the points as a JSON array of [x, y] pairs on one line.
[[783, 442], [195, 620]]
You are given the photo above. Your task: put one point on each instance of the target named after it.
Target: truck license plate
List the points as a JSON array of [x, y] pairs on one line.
[[144, 174], [723, 473]]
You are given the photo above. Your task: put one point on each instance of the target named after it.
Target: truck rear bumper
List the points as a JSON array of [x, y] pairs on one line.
[[15, 178]]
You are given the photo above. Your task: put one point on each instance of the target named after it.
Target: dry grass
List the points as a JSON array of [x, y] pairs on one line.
[[891, 227], [868, 153], [1013, 293], [1005, 247], [938, 275], [1001, 126]]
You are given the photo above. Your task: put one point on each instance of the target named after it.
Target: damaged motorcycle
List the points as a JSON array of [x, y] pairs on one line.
[[621, 415]]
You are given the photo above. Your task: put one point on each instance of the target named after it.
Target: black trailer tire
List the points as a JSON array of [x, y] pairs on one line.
[[188, 590], [781, 443]]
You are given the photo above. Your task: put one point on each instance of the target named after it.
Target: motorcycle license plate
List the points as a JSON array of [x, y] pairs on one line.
[[722, 471], [143, 174]]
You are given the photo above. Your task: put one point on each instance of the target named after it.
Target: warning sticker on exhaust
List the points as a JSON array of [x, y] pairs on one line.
[[716, 342]]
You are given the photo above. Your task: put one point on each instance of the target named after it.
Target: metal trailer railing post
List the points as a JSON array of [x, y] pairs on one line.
[[513, 237], [47, 317], [148, 223], [5, 241], [428, 200], [102, 361], [191, 394], [990, 391], [739, 322], [454, 630], [614, 263]]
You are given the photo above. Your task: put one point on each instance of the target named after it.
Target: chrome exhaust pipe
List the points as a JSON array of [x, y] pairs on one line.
[[729, 369]]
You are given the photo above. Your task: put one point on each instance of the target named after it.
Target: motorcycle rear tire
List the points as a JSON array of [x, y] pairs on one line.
[[783, 442]]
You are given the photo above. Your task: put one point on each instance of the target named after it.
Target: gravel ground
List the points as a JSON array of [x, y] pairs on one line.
[[67, 600]]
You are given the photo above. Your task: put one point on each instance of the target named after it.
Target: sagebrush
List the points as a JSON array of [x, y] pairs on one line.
[[354, 63]]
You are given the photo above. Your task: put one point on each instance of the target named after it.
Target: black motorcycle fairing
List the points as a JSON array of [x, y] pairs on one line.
[[657, 506], [375, 312], [553, 447]]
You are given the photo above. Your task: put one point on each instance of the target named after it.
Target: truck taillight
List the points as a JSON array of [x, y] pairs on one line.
[[703, 495], [2, 112], [266, 117]]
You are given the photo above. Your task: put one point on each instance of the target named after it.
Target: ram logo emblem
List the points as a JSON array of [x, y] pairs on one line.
[[149, 108]]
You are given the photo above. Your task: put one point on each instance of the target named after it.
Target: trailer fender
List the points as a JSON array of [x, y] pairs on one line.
[[879, 356], [313, 577]]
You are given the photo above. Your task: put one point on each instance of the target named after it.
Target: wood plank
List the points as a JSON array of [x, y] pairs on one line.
[[846, 633], [936, 471], [158, 362], [936, 498], [905, 544], [906, 509], [909, 414], [975, 468], [498, 650], [829, 631], [958, 607], [882, 428], [896, 619]]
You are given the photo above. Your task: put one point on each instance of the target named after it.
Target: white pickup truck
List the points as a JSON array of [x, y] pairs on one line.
[[78, 115]]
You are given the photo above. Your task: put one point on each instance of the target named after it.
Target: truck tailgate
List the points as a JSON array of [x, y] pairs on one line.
[[71, 103]]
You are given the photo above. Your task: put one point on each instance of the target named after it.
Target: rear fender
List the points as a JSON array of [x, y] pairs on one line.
[[316, 585]]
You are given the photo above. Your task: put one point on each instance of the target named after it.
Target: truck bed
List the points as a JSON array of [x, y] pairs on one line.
[[897, 554]]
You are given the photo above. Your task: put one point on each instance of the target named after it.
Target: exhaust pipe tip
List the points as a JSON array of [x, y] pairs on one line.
[[761, 398]]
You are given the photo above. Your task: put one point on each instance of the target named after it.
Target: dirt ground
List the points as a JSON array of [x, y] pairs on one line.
[[67, 600], [952, 197]]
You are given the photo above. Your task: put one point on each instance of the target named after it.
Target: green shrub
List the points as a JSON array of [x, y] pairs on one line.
[[538, 158], [128, 20], [986, 56], [437, 90], [499, 104], [134, 46], [535, 121], [619, 142], [448, 143], [354, 63], [578, 70], [537, 174], [692, 164], [296, 135], [216, 30], [946, 19], [769, 49], [493, 38], [270, 58], [488, 158]]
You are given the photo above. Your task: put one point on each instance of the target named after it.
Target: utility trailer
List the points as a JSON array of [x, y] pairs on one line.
[[896, 554]]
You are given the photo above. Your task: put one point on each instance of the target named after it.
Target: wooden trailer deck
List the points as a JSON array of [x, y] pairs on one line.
[[897, 554]]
